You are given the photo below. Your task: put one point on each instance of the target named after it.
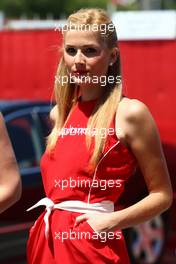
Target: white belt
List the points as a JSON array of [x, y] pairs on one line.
[[74, 206]]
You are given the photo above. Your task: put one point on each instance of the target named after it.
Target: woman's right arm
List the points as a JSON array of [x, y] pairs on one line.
[[10, 181]]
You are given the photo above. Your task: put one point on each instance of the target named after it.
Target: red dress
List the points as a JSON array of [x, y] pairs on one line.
[[69, 162]]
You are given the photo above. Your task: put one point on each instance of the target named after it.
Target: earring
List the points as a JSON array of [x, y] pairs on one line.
[[111, 63]]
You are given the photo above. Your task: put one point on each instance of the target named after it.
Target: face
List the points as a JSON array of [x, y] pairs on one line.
[[85, 54]]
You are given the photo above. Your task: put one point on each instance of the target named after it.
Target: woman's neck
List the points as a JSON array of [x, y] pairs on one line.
[[90, 93]]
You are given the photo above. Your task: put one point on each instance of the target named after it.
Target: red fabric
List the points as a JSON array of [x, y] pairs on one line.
[[70, 159]]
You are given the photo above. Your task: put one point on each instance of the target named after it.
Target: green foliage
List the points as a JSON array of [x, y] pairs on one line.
[[71, 6], [42, 8], [171, 4], [60, 8], [133, 6], [13, 8]]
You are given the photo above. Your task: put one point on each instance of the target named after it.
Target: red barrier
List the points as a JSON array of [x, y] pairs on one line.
[[28, 61], [149, 75]]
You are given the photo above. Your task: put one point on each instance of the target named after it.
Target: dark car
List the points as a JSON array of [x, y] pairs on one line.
[[28, 125]]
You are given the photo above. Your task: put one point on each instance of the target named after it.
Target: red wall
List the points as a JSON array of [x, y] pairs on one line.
[[28, 61], [149, 74]]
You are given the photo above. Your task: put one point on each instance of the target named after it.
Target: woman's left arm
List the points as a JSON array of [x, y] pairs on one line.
[[143, 138]]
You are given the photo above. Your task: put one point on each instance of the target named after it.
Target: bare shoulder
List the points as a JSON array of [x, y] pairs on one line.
[[135, 120], [133, 109]]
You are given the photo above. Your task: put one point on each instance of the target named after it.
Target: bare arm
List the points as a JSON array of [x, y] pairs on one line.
[[143, 138], [10, 183]]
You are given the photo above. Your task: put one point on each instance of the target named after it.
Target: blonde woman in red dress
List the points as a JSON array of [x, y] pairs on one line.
[[98, 139]]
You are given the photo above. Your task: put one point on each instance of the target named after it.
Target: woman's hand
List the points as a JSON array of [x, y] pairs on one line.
[[100, 222]]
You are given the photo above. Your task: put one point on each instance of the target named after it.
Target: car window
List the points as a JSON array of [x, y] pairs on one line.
[[25, 141]]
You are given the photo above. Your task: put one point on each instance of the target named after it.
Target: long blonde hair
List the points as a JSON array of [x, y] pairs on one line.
[[66, 95]]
